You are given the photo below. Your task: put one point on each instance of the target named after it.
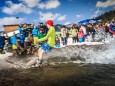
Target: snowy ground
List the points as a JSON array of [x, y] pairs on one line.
[[3, 63], [84, 43], [4, 56]]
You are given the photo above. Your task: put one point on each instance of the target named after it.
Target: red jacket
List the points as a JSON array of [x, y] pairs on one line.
[[80, 34]]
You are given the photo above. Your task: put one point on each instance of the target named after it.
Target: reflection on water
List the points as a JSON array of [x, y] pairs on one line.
[[61, 75]]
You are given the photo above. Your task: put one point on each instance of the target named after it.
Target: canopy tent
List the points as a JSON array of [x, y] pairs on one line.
[[88, 21]]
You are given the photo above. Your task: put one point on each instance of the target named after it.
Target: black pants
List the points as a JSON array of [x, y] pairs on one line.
[[111, 34], [1, 50], [74, 39]]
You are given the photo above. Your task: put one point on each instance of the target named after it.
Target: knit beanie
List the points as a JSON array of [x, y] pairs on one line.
[[49, 22]]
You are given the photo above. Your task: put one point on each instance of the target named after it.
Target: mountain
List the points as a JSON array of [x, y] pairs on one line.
[[69, 25], [59, 26], [107, 16]]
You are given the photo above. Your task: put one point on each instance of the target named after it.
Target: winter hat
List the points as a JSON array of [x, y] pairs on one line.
[[41, 23], [49, 22]]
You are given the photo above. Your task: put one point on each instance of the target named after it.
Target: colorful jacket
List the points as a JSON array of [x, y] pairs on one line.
[[40, 35], [19, 29], [74, 32], [80, 35], [23, 32], [35, 32], [13, 40], [50, 37], [22, 38], [112, 28], [2, 41]]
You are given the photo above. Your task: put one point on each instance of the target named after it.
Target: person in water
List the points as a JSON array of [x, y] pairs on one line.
[[50, 37]]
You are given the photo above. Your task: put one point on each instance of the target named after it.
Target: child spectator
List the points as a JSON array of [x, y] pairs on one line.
[[81, 35], [57, 45]]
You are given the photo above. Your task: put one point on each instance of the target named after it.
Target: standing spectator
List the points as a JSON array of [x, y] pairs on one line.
[[23, 31], [57, 45], [106, 29], [64, 35], [83, 28], [35, 35], [93, 33], [19, 28], [90, 32], [41, 34], [89, 29], [112, 28], [45, 29], [13, 40], [7, 42], [74, 33], [2, 43], [22, 38], [29, 28], [32, 25], [40, 24], [81, 35]]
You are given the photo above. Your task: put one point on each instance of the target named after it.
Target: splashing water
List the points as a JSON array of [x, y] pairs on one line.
[[101, 51], [103, 54], [89, 52]]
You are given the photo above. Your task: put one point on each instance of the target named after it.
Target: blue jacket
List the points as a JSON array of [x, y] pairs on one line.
[[23, 32], [22, 38], [2, 41], [19, 29], [112, 27], [94, 32], [46, 30], [13, 40], [35, 32]]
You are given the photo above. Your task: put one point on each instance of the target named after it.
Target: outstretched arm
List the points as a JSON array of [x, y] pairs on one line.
[[46, 37]]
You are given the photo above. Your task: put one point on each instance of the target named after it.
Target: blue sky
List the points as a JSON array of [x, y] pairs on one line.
[[60, 11]]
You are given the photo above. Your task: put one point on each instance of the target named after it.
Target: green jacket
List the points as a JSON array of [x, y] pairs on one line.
[[40, 35], [50, 37]]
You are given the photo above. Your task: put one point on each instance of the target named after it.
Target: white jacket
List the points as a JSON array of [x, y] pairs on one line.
[[84, 30]]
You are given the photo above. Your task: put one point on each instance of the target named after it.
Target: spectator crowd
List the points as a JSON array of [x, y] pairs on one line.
[[25, 42]]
